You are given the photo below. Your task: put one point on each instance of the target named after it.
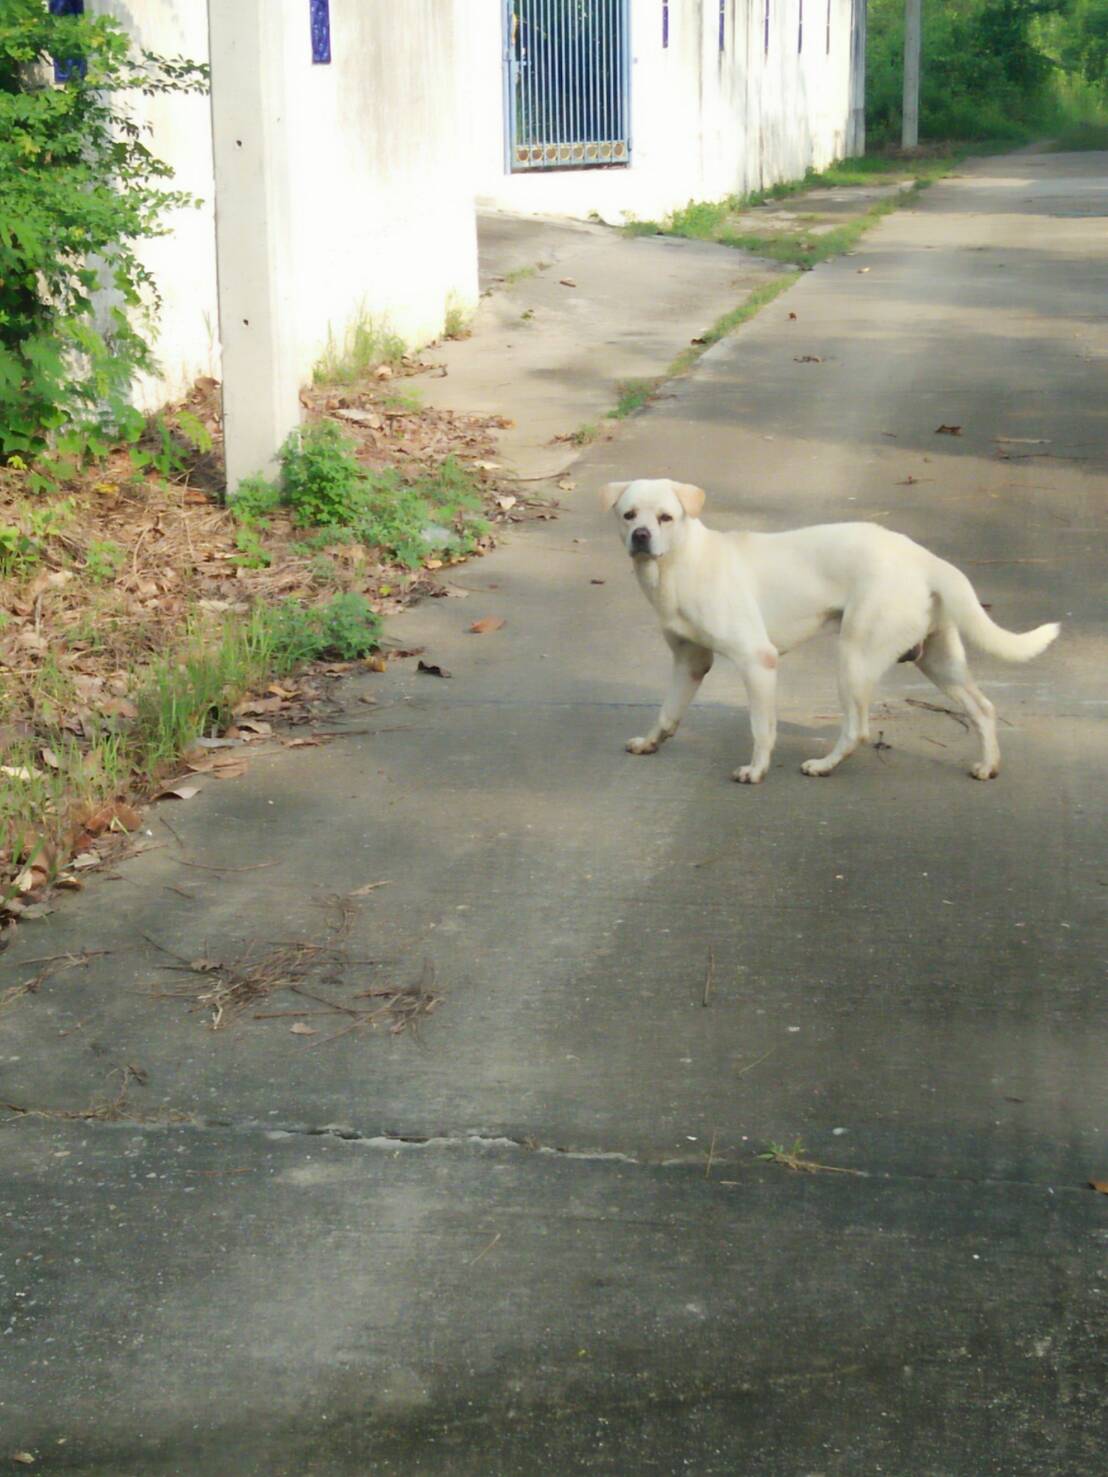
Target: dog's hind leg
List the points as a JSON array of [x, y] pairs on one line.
[[944, 661], [873, 637], [857, 677], [691, 664]]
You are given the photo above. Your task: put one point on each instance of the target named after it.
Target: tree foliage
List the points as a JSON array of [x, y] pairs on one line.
[[999, 69], [78, 189]]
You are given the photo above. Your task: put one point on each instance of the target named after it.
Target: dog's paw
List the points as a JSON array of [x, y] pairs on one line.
[[748, 775], [819, 767], [642, 746], [985, 771]]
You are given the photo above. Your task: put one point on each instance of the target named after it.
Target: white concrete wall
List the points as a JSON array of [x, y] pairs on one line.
[[382, 214], [704, 123], [183, 262], [352, 180]]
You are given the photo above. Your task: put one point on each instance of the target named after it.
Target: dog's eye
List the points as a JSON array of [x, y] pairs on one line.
[[665, 517], [629, 515]]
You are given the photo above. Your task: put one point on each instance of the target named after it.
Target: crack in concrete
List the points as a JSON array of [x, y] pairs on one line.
[[395, 1141]]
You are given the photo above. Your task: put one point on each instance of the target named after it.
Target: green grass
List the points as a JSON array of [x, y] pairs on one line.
[[184, 695], [633, 395], [1081, 136], [366, 343], [729, 322], [585, 434], [458, 319], [521, 274], [710, 220]]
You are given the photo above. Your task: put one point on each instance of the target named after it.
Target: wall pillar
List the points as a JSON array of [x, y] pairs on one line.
[[253, 194], [856, 137]]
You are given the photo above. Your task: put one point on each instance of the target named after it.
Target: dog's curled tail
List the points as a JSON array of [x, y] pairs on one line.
[[960, 602]]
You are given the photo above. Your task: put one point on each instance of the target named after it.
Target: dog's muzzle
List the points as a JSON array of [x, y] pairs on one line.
[[640, 541]]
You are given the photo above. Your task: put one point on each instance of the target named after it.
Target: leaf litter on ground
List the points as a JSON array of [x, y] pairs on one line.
[[87, 626]]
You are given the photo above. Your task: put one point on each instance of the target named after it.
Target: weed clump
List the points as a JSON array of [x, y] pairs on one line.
[[408, 520]]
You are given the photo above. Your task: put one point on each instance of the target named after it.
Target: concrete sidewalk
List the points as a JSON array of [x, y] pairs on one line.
[[536, 1237], [570, 312]]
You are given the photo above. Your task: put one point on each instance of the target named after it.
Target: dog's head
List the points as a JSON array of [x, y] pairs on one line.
[[653, 514]]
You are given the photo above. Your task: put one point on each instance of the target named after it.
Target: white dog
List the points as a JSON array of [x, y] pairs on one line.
[[754, 596]]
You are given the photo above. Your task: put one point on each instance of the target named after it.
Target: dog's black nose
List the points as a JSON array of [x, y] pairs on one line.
[[640, 538]]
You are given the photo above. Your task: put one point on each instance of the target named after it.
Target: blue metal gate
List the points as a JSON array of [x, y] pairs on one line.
[[567, 83]]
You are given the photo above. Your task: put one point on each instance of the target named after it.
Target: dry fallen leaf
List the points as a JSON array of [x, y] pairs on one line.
[[1101, 1186], [567, 484], [298, 1028], [432, 669], [367, 888], [807, 359], [948, 430], [184, 790], [51, 759], [566, 282], [227, 768], [486, 625], [24, 1458], [115, 816], [792, 315], [378, 662]]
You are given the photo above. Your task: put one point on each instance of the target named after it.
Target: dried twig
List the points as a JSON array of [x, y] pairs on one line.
[[711, 1153], [109, 1110], [916, 702], [60, 961], [485, 1251], [709, 975], [756, 1062]]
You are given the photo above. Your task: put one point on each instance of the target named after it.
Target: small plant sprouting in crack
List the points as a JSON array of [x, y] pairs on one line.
[[794, 1158]]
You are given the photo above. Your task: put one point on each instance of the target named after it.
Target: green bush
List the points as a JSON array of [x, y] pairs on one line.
[[78, 189], [991, 69], [327, 488], [322, 480]]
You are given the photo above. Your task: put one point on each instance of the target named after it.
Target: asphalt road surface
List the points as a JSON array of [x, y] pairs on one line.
[[536, 1237]]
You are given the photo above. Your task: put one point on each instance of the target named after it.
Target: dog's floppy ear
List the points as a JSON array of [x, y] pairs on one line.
[[611, 493], [691, 498]]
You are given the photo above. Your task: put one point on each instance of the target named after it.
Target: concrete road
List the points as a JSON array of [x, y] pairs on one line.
[[537, 1238]]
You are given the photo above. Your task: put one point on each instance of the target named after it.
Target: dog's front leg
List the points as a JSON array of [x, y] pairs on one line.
[[759, 673], [691, 664]]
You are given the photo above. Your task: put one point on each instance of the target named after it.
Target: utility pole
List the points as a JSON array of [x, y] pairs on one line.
[[909, 136]]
